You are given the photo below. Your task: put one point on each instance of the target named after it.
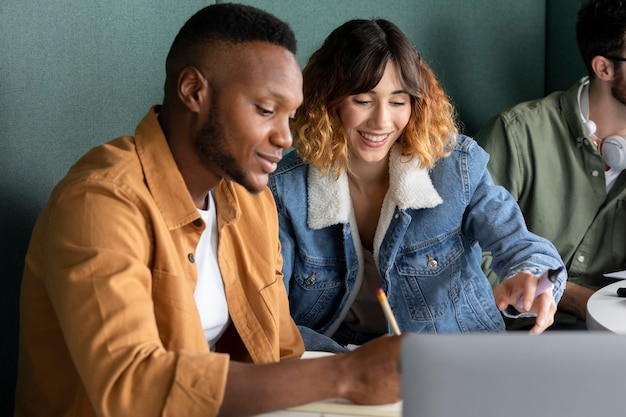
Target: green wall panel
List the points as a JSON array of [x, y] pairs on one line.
[[563, 63], [488, 54]]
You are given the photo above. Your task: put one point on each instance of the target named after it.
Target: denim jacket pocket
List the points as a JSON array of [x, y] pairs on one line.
[[316, 290], [427, 272]]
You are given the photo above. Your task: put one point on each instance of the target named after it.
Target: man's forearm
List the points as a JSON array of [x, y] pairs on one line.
[[574, 300], [367, 375]]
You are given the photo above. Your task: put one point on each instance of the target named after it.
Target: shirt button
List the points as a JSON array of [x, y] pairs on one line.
[[191, 258], [594, 173], [197, 222], [581, 259]]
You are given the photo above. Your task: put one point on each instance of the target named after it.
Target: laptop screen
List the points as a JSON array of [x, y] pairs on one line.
[[514, 375]]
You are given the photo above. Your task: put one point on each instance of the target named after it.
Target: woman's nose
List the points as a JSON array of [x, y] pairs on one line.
[[381, 117]]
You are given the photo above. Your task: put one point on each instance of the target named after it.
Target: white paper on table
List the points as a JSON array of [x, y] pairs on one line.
[[616, 275]]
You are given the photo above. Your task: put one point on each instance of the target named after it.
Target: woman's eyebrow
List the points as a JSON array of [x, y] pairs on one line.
[[392, 93]]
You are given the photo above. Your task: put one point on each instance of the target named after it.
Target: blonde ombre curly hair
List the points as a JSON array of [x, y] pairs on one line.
[[352, 61]]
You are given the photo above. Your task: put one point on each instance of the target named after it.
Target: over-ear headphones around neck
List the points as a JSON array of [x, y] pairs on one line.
[[612, 148]]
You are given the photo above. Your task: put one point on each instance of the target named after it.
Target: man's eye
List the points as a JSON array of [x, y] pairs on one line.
[[264, 111]]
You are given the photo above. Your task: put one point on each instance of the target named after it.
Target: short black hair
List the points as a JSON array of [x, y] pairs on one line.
[[600, 29], [231, 23]]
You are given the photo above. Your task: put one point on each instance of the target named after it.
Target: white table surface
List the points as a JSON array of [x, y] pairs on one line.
[[606, 311]]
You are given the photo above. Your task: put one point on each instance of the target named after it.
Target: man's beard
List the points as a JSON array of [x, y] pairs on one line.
[[213, 153], [618, 86]]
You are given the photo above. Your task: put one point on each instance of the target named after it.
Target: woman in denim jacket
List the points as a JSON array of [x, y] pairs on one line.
[[382, 192]]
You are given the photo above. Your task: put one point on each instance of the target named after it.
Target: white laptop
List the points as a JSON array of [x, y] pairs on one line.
[[555, 374]]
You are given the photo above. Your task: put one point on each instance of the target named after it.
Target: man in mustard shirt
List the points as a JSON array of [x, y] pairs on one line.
[[152, 283]]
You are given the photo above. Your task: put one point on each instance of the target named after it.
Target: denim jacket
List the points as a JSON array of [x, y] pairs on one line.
[[427, 247]]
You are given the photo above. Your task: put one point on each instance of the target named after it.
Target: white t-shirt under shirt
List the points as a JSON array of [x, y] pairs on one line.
[[209, 293]]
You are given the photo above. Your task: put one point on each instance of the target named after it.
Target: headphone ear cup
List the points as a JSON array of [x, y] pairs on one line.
[[613, 151]]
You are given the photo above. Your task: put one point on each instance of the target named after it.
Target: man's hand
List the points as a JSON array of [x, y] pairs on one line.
[[375, 369]]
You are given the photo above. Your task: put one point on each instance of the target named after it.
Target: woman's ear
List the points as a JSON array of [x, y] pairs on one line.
[[192, 88]]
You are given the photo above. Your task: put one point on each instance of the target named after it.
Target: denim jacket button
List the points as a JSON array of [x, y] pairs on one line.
[[311, 279], [432, 262]]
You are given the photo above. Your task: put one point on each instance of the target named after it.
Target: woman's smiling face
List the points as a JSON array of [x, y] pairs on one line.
[[374, 120]]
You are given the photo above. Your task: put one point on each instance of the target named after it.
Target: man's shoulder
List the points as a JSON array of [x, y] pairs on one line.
[[109, 177], [533, 110], [558, 105], [110, 162]]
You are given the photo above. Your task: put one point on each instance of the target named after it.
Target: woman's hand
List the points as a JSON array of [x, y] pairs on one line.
[[524, 285]]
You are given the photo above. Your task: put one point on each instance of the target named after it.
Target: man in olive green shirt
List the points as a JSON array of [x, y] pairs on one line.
[[548, 155]]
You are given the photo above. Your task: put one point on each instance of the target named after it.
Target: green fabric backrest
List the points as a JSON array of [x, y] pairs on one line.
[[563, 62], [77, 73]]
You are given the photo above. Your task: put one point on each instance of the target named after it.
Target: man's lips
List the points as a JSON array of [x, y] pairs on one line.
[[270, 161]]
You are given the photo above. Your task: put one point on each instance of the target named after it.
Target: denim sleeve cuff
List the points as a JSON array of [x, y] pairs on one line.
[[512, 313]]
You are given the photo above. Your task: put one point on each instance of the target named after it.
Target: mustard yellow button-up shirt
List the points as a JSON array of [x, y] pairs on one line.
[[109, 325]]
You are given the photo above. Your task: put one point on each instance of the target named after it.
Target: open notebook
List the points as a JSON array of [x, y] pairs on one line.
[[514, 375]]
